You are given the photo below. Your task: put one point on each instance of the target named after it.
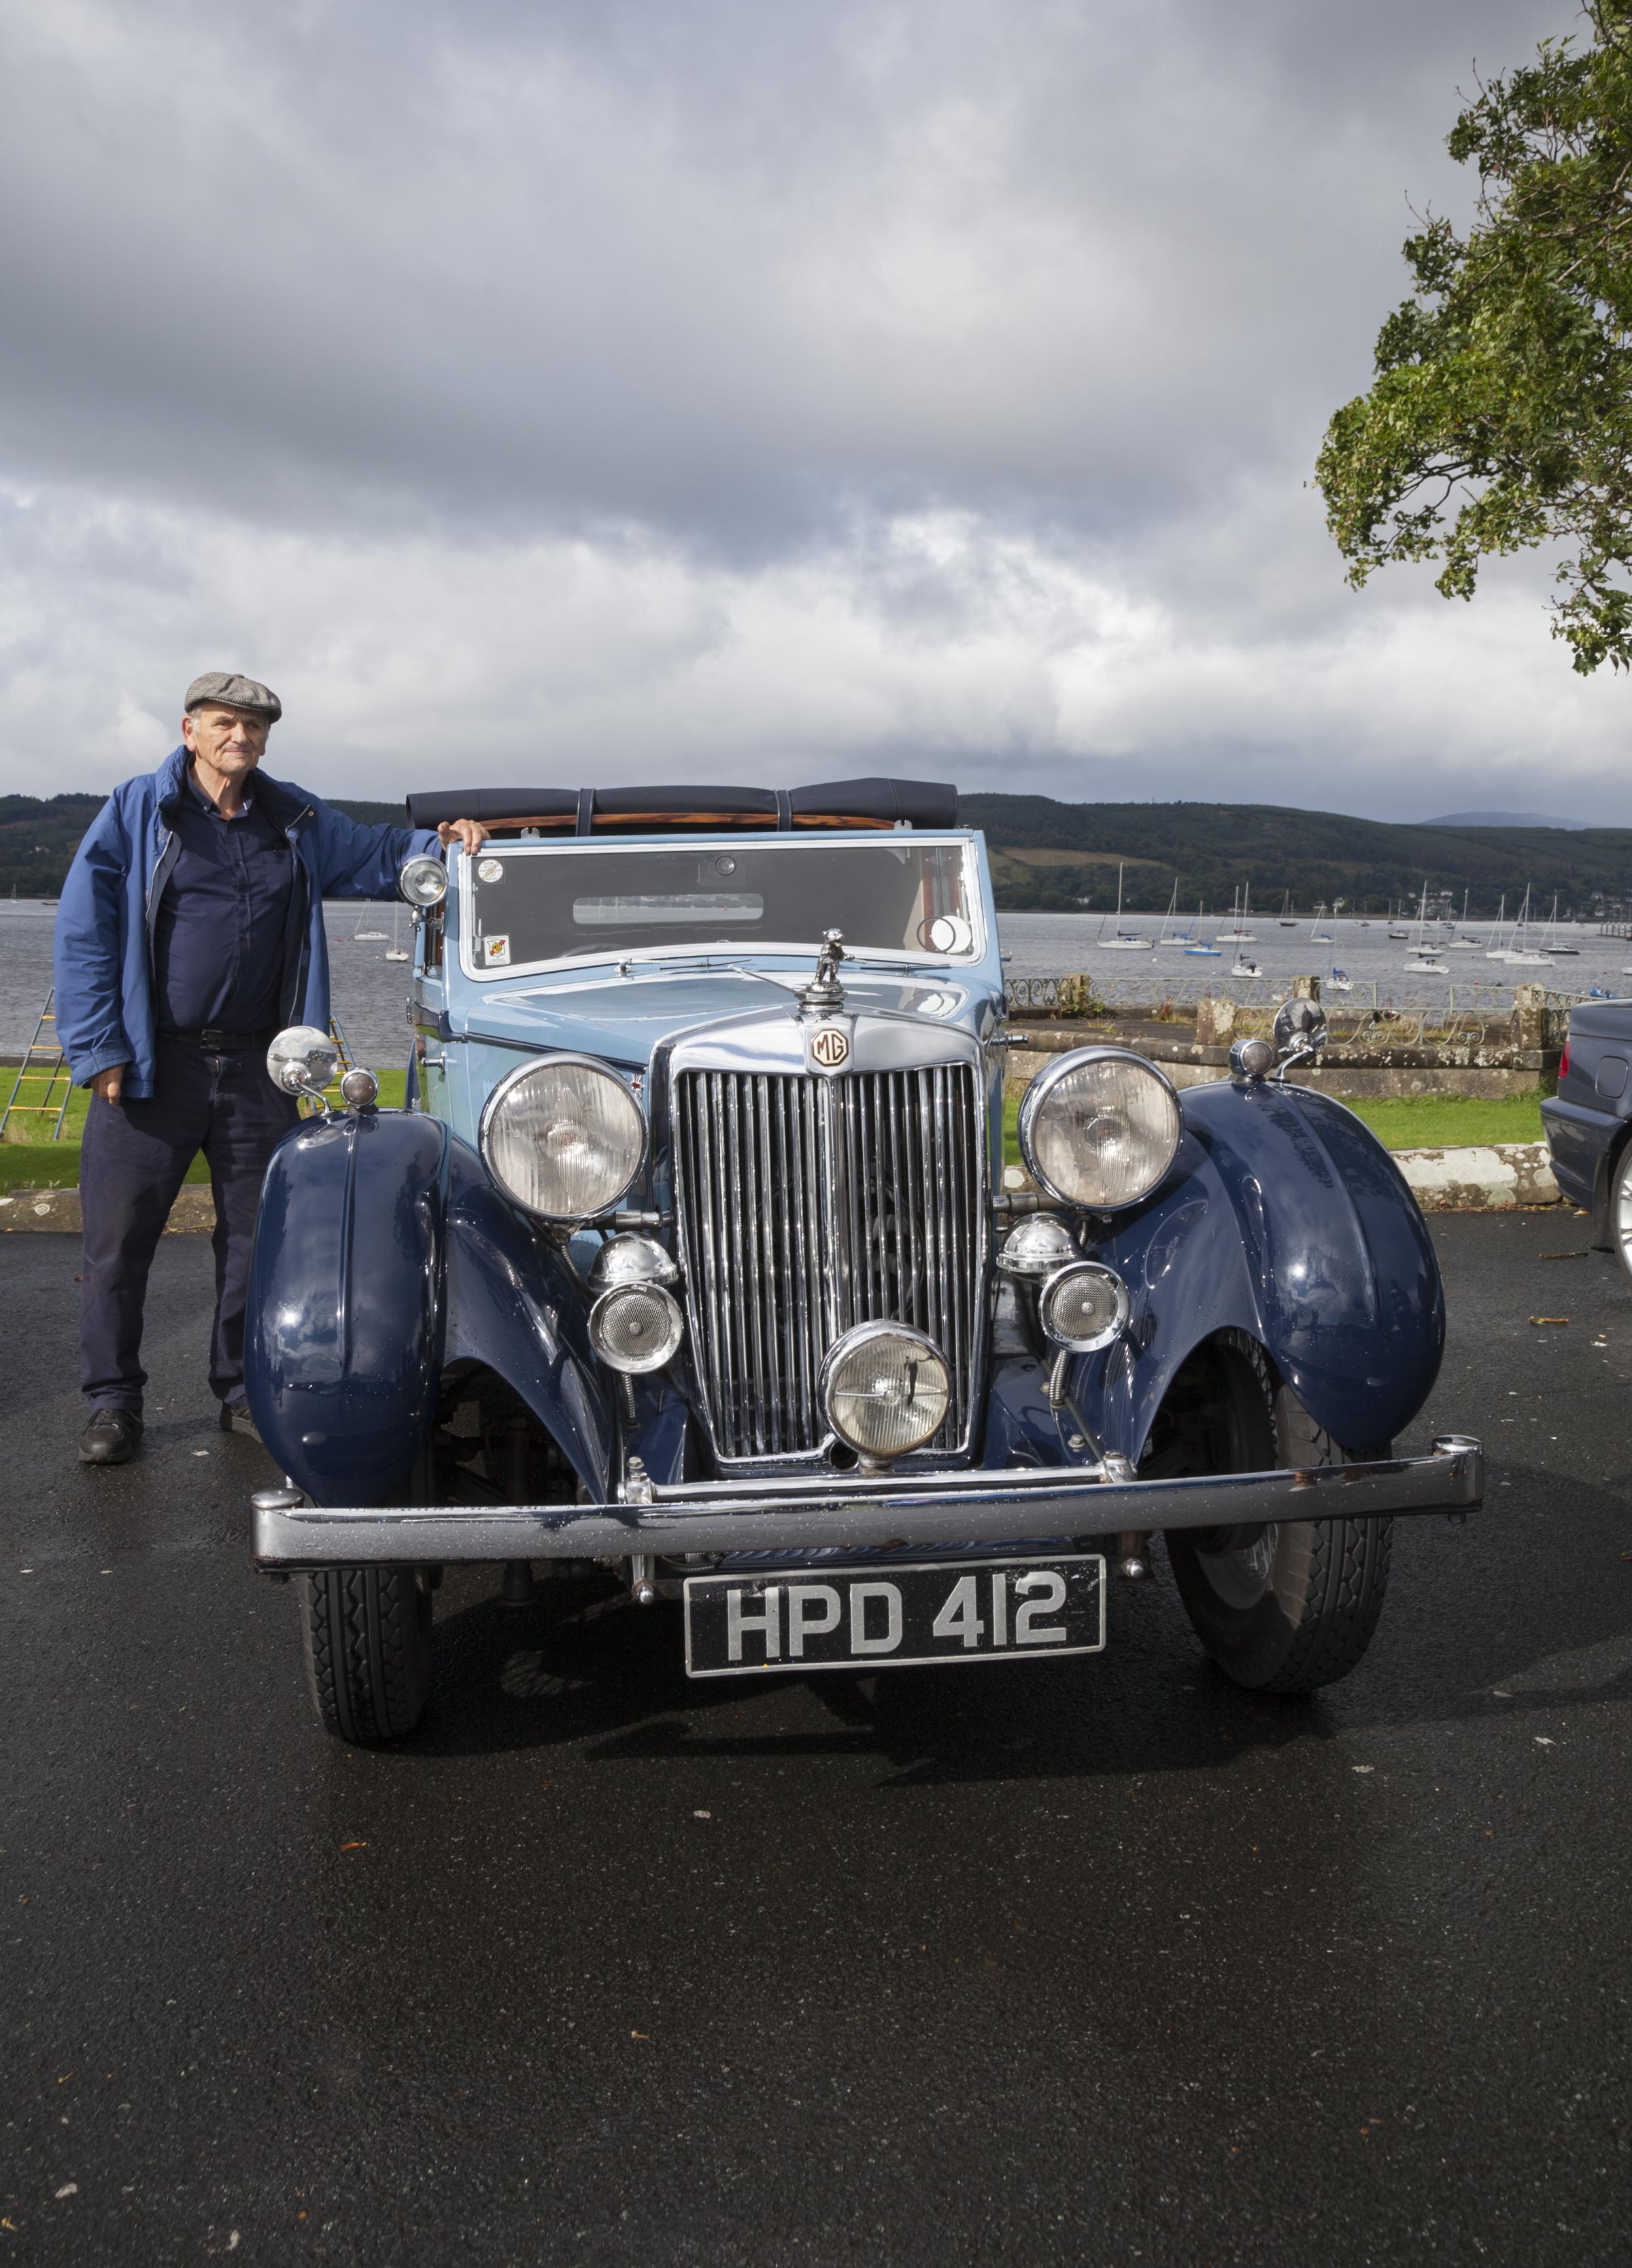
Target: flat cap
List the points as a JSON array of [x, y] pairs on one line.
[[233, 692]]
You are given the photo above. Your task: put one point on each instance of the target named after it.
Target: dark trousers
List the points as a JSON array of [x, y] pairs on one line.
[[132, 1163]]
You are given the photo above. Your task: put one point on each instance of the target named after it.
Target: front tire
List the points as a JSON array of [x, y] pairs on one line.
[[368, 1637], [367, 1634], [1286, 1607]]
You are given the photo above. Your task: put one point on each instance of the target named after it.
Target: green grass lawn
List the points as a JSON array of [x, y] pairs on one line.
[[1424, 1122], [1432, 1122], [38, 1163]]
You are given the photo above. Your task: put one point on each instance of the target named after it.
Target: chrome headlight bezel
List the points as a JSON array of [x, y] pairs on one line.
[[497, 1102], [1044, 1089]]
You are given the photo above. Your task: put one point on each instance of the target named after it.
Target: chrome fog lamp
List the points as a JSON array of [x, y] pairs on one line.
[[423, 881], [1037, 1247], [884, 1389], [1099, 1128], [636, 1327], [1083, 1308], [563, 1137], [302, 1060]]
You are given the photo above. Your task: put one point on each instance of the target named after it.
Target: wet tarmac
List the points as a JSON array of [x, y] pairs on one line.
[[1095, 1961]]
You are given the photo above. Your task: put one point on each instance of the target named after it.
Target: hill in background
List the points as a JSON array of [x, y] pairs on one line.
[[39, 836], [1051, 856], [1503, 819], [1048, 855]]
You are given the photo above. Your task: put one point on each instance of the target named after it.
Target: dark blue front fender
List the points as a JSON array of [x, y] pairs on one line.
[[383, 1254], [1285, 1218]]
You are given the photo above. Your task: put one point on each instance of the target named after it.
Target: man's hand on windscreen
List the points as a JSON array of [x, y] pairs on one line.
[[469, 833]]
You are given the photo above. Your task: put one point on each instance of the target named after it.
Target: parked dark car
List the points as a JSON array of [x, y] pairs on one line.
[[691, 1256], [1589, 1122]]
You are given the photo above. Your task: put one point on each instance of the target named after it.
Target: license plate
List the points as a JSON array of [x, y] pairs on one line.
[[895, 1617]]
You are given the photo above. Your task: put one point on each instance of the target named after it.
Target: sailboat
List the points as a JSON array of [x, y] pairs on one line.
[[1285, 918], [1495, 950], [1399, 936], [1122, 942], [1520, 952], [361, 936], [1239, 933], [1318, 936], [1196, 948], [1424, 960], [1462, 944], [396, 951], [1549, 944], [1173, 939]]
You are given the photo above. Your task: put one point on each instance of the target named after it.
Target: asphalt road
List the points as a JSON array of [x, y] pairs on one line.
[[1095, 1961]]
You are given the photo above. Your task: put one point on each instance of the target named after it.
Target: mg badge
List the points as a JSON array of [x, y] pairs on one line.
[[830, 1046]]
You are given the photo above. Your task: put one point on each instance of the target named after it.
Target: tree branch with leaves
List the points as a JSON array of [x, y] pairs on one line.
[[1499, 418]]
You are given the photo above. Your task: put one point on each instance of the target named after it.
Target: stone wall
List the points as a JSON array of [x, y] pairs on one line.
[[1517, 1055]]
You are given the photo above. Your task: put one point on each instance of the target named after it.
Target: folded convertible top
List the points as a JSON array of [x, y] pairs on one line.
[[664, 810]]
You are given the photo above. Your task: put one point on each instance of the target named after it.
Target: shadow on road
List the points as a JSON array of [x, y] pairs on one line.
[[1476, 1619]]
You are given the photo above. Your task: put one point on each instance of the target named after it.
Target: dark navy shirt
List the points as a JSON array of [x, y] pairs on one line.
[[222, 928]]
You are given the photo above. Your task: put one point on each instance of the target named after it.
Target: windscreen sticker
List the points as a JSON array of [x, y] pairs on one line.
[[496, 952], [491, 870]]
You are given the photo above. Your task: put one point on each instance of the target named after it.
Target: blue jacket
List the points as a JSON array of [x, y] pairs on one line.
[[104, 943]]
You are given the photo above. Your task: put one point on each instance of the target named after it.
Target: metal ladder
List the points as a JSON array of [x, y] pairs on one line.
[[42, 1059]]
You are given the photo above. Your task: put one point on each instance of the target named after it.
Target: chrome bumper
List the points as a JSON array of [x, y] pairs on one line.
[[853, 1514]]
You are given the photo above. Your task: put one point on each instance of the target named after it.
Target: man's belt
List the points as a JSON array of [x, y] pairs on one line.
[[215, 1041]]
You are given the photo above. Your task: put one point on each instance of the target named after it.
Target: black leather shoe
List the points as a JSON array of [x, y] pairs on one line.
[[235, 1418], [112, 1437]]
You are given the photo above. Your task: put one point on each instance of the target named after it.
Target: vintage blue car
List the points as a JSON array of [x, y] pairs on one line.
[[1589, 1122], [692, 1259]]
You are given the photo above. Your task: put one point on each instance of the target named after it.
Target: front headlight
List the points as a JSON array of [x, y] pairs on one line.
[[1099, 1128], [565, 1137]]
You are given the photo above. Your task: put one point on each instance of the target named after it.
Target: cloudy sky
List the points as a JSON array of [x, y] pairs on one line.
[[607, 390]]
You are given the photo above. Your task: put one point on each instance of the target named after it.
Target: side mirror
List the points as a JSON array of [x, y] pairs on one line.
[[1299, 1032], [302, 1060]]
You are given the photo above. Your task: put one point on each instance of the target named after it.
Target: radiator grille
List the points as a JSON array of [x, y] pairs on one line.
[[809, 1204]]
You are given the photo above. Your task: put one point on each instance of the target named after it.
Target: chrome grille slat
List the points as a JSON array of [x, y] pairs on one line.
[[808, 1204]]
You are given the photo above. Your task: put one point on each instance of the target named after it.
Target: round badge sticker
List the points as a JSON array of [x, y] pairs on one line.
[[491, 870]]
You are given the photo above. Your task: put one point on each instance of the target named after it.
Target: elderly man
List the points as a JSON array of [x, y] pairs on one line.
[[190, 931]]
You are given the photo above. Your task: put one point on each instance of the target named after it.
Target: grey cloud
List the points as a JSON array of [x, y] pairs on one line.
[[714, 268], [877, 381]]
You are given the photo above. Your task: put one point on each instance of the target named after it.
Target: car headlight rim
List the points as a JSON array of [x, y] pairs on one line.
[[870, 1431], [1142, 1079], [613, 1184]]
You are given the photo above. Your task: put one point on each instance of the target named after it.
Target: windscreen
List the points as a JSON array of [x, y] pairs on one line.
[[896, 896]]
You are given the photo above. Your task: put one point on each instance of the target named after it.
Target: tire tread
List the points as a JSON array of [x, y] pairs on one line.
[[365, 1644]]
